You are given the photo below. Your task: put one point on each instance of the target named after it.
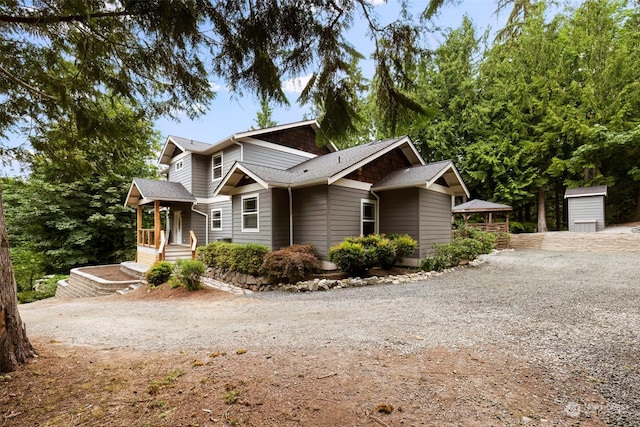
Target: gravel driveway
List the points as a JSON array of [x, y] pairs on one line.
[[560, 309]]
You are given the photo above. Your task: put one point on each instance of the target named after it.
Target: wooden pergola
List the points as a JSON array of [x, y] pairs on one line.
[[487, 210]]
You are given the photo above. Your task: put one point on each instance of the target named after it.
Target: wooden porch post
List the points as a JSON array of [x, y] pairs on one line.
[[156, 223]]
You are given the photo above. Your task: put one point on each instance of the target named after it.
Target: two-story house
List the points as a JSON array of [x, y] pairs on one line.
[[275, 186]]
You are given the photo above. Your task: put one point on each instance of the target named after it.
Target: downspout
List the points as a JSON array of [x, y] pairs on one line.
[[206, 223], [377, 211], [290, 217]]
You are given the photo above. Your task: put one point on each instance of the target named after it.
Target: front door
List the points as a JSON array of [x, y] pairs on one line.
[[177, 227]]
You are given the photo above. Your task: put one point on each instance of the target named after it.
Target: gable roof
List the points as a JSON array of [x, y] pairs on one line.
[[424, 177], [174, 143], [143, 191], [598, 190], [325, 169], [478, 205]]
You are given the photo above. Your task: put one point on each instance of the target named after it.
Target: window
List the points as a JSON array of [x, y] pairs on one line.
[[250, 213], [216, 219], [179, 165], [368, 217], [217, 166]]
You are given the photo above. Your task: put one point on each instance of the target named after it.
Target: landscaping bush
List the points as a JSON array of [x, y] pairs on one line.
[[249, 258], [159, 273], [290, 264], [405, 245], [244, 258], [188, 273], [350, 257], [432, 264], [488, 240], [44, 288], [468, 243], [384, 253]]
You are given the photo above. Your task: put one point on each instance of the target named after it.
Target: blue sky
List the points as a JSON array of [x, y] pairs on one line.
[[228, 114]]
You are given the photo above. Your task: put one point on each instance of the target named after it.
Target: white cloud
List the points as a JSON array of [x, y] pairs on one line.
[[376, 2], [296, 84]]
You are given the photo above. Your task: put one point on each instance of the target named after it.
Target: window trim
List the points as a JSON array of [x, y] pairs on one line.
[[213, 166], [375, 215], [256, 213], [211, 225], [179, 165]]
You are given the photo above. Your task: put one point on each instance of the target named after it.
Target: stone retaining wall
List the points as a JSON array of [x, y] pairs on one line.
[[83, 285], [577, 242]]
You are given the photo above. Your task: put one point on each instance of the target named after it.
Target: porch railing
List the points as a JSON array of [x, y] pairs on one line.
[[193, 242], [147, 237], [161, 248]]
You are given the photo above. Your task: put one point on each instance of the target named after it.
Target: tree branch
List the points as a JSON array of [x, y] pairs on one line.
[[25, 85], [53, 19]]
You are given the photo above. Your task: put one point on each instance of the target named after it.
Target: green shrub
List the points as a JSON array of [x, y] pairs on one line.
[[44, 288], [384, 253], [159, 273], [350, 257], [432, 264], [290, 264], [249, 258], [405, 245], [209, 254], [487, 240], [188, 273], [244, 258]]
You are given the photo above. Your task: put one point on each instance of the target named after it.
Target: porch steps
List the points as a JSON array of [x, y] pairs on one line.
[[172, 253], [83, 285], [578, 242]]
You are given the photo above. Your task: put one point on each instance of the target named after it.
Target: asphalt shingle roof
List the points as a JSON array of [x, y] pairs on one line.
[[151, 189], [413, 176]]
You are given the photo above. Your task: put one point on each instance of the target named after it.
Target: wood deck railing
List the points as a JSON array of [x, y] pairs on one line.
[[147, 237], [500, 229], [193, 242]]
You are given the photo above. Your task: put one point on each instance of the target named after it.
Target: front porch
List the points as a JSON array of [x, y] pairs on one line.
[[152, 243], [158, 198]]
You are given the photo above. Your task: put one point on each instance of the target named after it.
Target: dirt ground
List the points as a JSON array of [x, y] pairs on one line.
[[72, 386]]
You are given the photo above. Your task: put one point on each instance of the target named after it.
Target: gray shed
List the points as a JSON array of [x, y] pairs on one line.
[[586, 208]]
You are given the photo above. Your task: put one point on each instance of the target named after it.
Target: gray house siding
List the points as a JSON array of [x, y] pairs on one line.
[[584, 209], [274, 158], [280, 218], [263, 235], [183, 176], [229, 156], [400, 213], [199, 167], [198, 225], [345, 212], [435, 220], [310, 218], [227, 221]]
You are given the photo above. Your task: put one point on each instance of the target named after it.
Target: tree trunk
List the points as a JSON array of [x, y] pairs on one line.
[[542, 215], [636, 214], [15, 347]]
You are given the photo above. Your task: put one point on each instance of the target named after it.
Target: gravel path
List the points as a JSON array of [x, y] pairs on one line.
[[578, 310]]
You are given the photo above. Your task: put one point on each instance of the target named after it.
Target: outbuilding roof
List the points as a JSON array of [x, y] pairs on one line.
[[597, 190], [143, 191], [478, 205]]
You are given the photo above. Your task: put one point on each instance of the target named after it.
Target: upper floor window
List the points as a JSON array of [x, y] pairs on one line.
[[217, 166], [216, 219], [368, 217], [179, 165], [250, 213]]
